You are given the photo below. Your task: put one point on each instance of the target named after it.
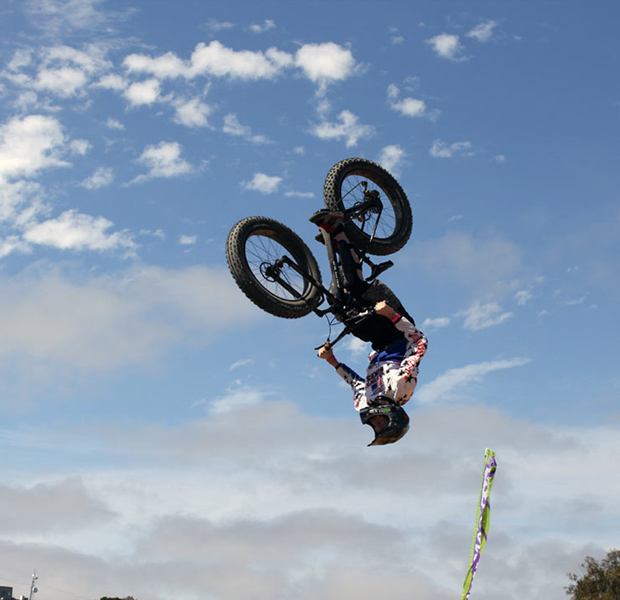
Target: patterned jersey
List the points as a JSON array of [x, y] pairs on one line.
[[392, 372]]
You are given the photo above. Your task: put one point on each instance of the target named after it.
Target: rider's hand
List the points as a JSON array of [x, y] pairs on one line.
[[384, 309], [326, 353]]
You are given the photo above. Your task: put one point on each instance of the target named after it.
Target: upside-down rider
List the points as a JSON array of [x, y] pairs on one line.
[[398, 347]]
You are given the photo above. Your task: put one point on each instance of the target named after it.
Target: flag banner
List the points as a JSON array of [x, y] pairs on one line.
[[482, 520]]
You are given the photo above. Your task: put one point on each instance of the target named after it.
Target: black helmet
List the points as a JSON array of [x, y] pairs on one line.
[[396, 421]]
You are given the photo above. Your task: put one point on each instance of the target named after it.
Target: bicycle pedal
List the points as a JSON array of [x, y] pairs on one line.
[[376, 270]]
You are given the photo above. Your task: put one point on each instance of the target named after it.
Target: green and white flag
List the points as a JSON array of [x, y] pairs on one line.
[[482, 520]]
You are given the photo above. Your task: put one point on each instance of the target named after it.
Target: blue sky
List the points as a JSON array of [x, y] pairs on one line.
[[161, 435]]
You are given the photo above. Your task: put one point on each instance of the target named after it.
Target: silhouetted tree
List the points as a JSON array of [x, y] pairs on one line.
[[600, 580], [126, 598]]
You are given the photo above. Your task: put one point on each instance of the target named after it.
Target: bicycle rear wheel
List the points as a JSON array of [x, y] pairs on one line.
[[254, 249], [344, 187]]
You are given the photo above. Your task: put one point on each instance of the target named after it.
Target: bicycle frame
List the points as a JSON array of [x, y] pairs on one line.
[[342, 304]]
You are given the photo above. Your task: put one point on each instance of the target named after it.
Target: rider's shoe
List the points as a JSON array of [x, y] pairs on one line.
[[327, 219]]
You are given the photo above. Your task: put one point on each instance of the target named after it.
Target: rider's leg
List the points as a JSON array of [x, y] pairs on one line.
[[378, 291], [332, 223], [379, 330], [351, 265]]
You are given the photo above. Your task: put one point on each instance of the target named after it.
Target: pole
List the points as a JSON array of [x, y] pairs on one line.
[[33, 590]]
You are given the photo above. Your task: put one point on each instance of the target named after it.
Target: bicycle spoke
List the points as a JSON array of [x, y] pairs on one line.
[[262, 252], [353, 193]]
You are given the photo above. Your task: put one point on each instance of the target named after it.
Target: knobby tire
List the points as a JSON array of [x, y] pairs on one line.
[[343, 189], [253, 245]]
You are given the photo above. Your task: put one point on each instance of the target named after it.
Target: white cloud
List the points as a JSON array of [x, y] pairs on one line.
[[447, 46], [71, 230], [250, 492], [481, 316], [486, 265], [323, 105], [321, 63], [265, 184], [26, 101], [77, 231], [80, 147], [408, 107], [188, 240], [58, 16], [391, 158], [192, 113], [240, 363], [143, 92], [523, 297], [266, 25], [102, 177], [158, 233], [347, 127], [30, 144], [63, 82], [356, 346], [164, 66], [217, 60], [438, 322], [13, 243], [115, 124], [214, 25], [163, 160], [110, 321], [232, 126], [325, 63], [482, 32], [50, 507], [441, 149], [21, 58], [91, 60], [577, 301], [293, 194], [238, 397], [454, 380], [20, 202], [112, 82], [57, 70]]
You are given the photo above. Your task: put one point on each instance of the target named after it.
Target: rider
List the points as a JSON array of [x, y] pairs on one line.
[[391, 378], [398, 347]]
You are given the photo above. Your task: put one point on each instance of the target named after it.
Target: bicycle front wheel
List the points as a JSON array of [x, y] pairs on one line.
[[254, 250]]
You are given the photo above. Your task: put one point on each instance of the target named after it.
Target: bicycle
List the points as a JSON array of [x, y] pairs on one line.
[[277, 271]]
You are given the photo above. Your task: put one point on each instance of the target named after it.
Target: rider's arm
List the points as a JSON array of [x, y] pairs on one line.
[[358, 385], [417, 344], [416, 340]]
